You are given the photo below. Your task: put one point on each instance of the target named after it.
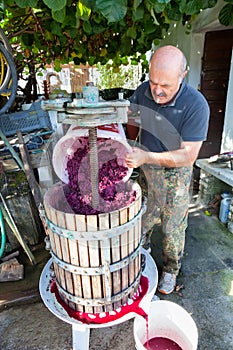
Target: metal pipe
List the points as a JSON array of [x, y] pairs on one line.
[[3, 235]]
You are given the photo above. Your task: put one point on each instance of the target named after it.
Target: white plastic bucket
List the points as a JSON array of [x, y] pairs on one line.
[[167, 320], [224, 209], [116, 145]]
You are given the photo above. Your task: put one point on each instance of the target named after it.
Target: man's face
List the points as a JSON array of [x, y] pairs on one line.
[[164, 85]]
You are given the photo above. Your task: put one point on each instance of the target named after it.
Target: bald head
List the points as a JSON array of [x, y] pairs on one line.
[[167, 70], [169, 58]]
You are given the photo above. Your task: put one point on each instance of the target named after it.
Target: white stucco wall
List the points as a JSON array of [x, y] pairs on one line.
[[227, 135], [192, 45]]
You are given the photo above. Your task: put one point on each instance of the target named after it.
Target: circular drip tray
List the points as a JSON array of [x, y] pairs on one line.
[[51, 302]]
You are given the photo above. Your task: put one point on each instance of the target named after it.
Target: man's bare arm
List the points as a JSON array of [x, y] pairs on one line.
[[185, 156]]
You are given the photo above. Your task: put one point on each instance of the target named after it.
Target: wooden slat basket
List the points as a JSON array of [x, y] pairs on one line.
[[96, 258]]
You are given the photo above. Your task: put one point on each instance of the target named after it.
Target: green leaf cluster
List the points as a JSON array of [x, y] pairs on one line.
[[226, 14], [94, 31]]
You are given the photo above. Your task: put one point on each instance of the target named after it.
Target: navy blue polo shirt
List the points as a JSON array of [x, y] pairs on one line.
[[164, 127]]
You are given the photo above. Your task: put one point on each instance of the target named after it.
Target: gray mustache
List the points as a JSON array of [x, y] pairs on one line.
[[161, 94]]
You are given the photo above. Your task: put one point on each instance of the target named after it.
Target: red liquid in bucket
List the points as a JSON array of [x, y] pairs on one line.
[[161, 343]]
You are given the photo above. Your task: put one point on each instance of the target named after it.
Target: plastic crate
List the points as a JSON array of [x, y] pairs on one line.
[[26, 121]]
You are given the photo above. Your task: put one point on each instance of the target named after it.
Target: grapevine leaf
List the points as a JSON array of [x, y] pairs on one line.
[[2, 9], [59, 15], [208, 4], [131, 32], [87, 27], [138, 14], [27, 39], [25, 3], [70, 21], [56, 28], [110, 11], [182, 5], [173, 12], [55, 4], [149, 26], [89, 3], [83, 12], [226, 15], [159, 7], [97, 29], [193, 7], [137, 3]]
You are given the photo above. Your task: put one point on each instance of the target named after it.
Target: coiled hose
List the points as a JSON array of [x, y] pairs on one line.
[[3, 234]]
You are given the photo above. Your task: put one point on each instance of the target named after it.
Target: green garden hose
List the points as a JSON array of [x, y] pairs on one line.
[[3, 234]]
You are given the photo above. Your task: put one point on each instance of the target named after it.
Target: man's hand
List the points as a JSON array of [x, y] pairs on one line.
[[136, 158]]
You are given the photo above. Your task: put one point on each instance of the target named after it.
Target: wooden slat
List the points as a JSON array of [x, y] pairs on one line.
[[74, 260], [124, 252], [51, 234], [62, 222], [115, 250], [59, 272], [56, 242], [105, 246], [94, 254], [137, 237], [131, 244], [50, 214], [84, 262]]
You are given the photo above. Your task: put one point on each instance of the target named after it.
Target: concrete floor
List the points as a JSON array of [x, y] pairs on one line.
[[207, 294]]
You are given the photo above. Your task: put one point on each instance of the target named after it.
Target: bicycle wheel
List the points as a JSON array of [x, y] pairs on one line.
[[5, 69], [9, 86], [4, 40], [5, 72]]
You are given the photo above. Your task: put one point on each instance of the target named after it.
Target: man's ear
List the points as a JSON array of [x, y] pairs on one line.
[[183, 76], [185, 73]]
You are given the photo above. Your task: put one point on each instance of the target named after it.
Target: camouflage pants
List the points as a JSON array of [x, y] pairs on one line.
[[168, 200]]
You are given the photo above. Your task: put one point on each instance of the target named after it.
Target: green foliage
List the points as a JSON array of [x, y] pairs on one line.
[[111, 76], [83, 12], [59, 15], [226, 14], [94, 31], [110, 11], [24, 3], [2, 9], [55, 5]]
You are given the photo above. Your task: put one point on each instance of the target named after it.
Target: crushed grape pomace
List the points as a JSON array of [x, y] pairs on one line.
[[112, 189]]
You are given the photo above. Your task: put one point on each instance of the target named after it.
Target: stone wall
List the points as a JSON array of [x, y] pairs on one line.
[[209, 187]]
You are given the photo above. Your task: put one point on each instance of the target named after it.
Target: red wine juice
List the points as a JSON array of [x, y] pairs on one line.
[[160, 343]]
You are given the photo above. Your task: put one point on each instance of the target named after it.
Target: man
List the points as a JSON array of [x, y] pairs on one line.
[[174, 123]]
